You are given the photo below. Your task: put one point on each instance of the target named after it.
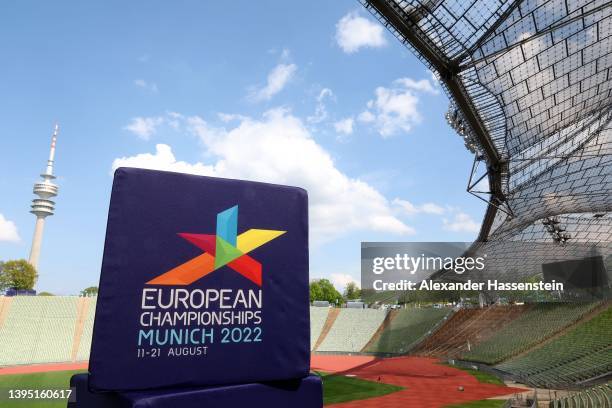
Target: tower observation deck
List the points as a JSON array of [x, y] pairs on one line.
[[43, 206]]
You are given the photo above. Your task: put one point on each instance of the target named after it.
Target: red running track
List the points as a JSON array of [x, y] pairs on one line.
[[38, 368], [427, 383]]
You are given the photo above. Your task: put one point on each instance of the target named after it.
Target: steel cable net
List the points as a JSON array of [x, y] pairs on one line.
[[530, 88]]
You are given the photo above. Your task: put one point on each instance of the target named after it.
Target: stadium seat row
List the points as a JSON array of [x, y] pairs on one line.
[[467, 328], [537, 324], [584, 352], [352, 330], [407, 327], [595, 397]]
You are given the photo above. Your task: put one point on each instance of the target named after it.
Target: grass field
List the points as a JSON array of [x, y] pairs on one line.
[[481, 376], [35, 381], [339, 388], [335, 388], [479, 404]]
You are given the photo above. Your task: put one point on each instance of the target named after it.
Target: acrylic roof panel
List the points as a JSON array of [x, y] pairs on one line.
[[546, 79], [572, 177], [530, 84]]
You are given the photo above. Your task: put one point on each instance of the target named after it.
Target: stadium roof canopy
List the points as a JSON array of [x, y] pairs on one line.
[[530, 88]]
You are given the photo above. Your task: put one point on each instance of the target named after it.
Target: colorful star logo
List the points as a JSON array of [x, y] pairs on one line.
[[224, 248]]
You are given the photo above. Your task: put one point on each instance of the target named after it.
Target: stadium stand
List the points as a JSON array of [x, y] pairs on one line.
[[466, 328], [85, 339], [595, 397], [581, 354], [352, 330], [38, 330], [405, 328], [329, 323], [537, 324], [318, 316], [545, 345]]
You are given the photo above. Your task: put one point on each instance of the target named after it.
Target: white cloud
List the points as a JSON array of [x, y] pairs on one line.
[[366, 117], [147, 86], [422, 85], [173, 119], [285, 54], [458, 222], [277, 79], [340, 280], [144, 128], [8, 230], [395, 109], [278, 148], [462, 222], [321, 110], [230, 117], [354, 32], [431, 208], [408, 208], [163, 159], [344, 126]]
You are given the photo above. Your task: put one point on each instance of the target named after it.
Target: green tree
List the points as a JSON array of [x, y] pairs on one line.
[[352, 291], [90, 291], [4, 284], [323, 289], [18, 274], [46, 294], [315, 291]]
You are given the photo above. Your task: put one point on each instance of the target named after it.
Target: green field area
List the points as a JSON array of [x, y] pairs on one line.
[[339, 388], [481, 376], [35, 381], [335, 388], [479, 404]]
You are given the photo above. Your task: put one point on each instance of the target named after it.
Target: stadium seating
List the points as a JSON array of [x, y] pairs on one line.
[[85, 343], [38, 330], [352, 330], [596, 397], [582, 353], [405, 328], [46, 329], [318, 316], [466, 328], [537, 324]]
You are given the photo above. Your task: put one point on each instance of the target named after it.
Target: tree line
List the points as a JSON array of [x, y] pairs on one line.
[[19, 274], [323, 289]]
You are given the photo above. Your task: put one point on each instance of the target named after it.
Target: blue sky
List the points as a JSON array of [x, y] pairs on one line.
[[314, 94]]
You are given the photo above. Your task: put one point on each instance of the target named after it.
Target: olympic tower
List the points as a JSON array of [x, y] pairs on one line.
[[43, 206]]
